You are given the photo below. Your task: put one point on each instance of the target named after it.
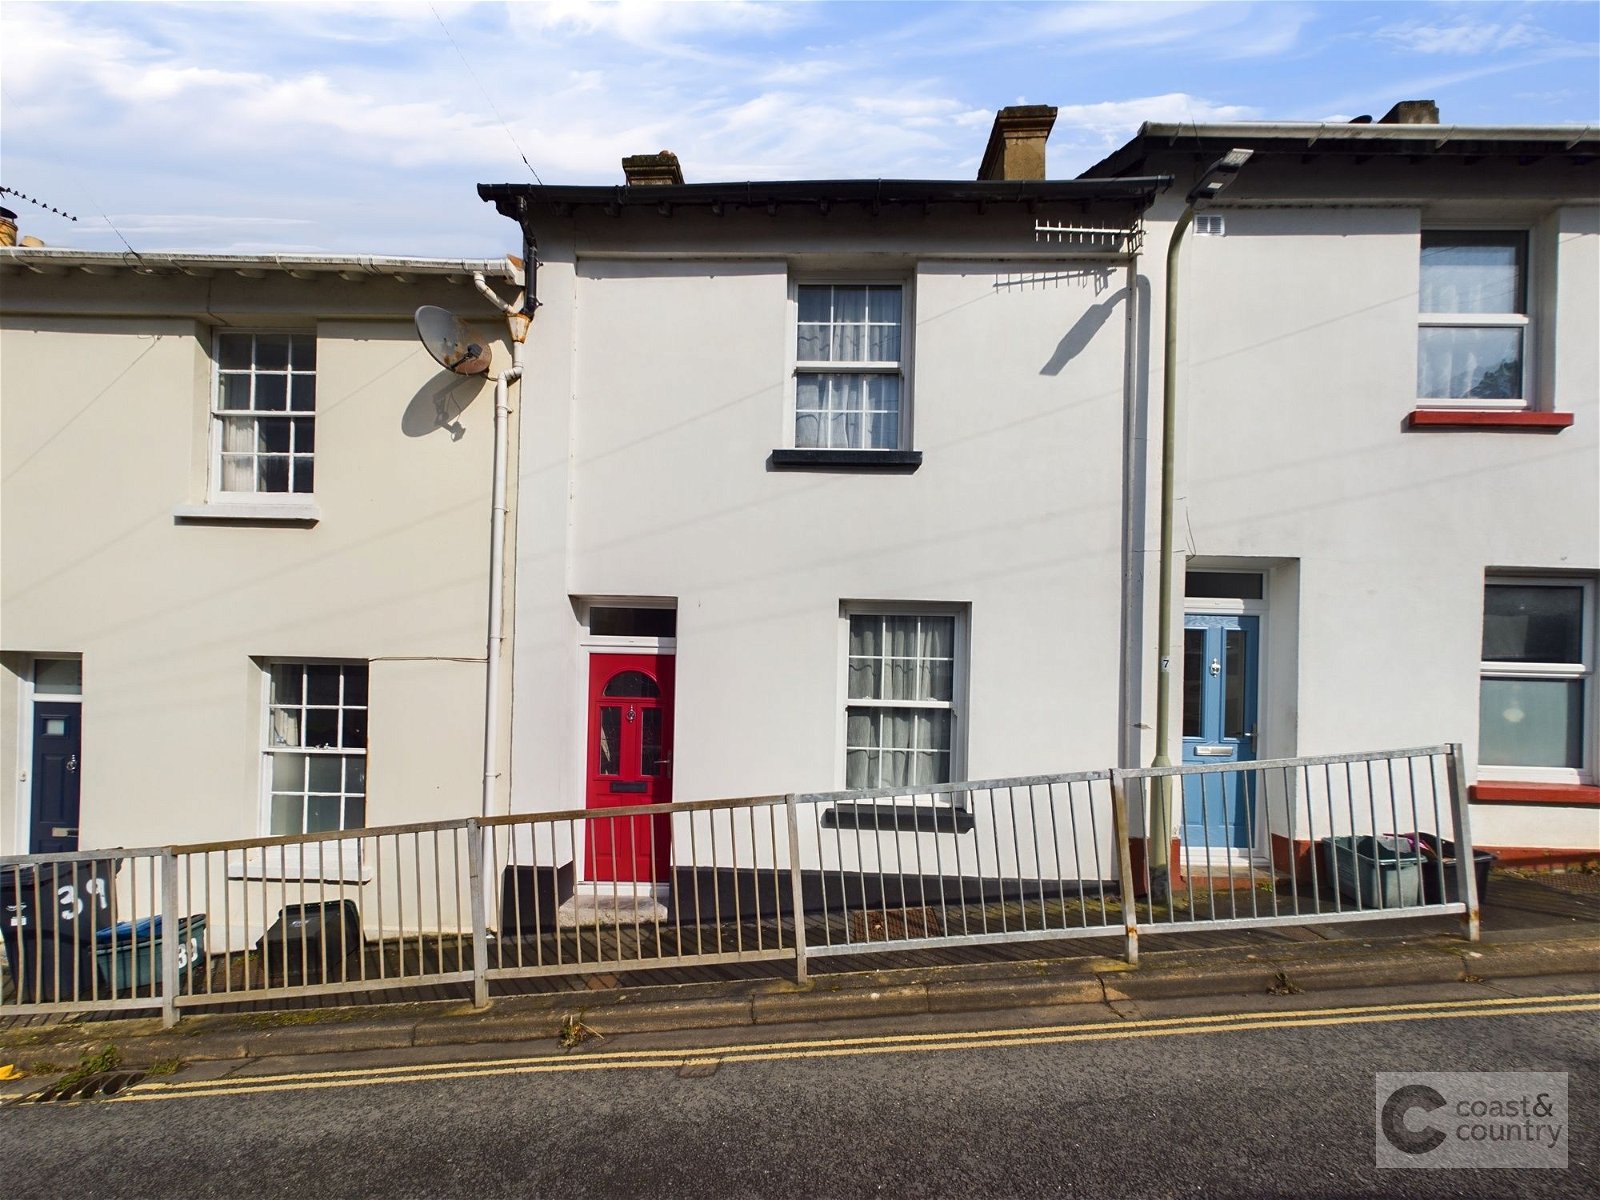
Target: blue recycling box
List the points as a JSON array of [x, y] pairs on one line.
[[129, 955]]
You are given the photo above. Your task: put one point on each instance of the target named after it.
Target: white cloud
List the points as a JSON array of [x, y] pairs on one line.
[[357, 126], [1463, 38], [1114, 121], [660, 24]]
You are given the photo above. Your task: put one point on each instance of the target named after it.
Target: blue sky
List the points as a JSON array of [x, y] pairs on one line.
[[349, 127]]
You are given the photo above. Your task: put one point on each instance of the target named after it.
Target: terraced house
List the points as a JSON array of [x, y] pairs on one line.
[[827, 484]]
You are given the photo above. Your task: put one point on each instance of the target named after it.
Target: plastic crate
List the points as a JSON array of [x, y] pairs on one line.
[[1437, 853], [129, 955], [310, 943], [1374, 872]]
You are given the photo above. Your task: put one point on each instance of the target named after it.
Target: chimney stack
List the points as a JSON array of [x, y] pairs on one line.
[[1411, 112], [8, 227], [1016, 143], [645, 170]]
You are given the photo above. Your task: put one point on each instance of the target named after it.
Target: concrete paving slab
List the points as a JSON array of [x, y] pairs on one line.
[[1505, 959], [830, 1003], [976, 995], [490, 1026], [703, 1013], [337, 1037]]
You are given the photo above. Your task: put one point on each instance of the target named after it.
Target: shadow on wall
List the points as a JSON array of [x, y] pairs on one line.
[[1082, 333], [439, 404]]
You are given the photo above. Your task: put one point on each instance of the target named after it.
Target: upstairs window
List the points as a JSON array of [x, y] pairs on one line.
[[263, 414], [1472, 336], [849, 375]]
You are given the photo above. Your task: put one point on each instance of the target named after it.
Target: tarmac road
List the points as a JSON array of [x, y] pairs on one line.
[[1259, 1096]]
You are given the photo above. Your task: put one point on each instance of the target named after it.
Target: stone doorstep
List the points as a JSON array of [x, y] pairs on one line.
[[602, 911], [966, 988]]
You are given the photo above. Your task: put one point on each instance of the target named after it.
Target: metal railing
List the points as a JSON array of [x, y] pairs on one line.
[[1018, 859], [469, 905], [647, 886], [64, 946], [1319, 839], [340, 913]]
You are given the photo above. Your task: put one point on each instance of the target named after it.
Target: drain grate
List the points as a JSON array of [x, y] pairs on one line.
[[90, 1087]]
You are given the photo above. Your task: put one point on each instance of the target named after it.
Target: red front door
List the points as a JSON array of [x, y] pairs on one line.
[[629, 763]]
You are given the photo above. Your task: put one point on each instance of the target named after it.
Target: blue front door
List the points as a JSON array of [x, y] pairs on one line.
[[56, 746], [1221, 653]]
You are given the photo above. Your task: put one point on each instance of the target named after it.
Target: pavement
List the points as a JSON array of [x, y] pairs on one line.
[[1554, 932]]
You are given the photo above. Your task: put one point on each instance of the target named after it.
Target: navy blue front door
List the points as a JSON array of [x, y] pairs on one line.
[[57, 743], [1221, 654]]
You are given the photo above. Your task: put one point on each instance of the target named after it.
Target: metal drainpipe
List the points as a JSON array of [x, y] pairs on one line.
[[517, 322], [1134, 515], [1161, 817]]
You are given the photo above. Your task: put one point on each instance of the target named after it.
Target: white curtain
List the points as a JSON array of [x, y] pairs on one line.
[[238, 454]]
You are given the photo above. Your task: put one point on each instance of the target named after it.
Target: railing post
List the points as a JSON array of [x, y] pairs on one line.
[[796, 892], [1466, 867], [1119, 831], [480, 920], [169, 938]]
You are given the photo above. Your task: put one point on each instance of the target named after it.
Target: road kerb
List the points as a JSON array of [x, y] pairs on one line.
[[827, 1003]]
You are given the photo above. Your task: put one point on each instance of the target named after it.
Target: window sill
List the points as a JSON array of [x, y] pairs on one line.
[[890, 462], [310, 862], [303, 512], [1563, 794], [1485, 419]]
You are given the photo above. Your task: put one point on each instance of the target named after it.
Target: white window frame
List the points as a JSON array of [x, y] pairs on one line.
[[797, 366], [253, 500], [956, 705], [1582, 671], [1479, 320], [269, 751]]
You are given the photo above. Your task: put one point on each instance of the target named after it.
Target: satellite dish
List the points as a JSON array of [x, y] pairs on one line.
[[456, 345]]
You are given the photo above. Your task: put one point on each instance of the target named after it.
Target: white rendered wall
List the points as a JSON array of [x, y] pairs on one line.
[[678, 389], [1299, 371], [105, 427]]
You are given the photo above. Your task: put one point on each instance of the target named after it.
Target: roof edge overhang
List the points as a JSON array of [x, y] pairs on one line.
[[1579, 143], [518, 200], [51, 260]]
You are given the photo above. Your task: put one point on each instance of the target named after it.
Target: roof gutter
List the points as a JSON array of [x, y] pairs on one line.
[[48, 259]]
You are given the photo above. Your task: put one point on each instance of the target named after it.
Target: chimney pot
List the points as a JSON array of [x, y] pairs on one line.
[[652, 169], [1016, 142], [8, 227], [1412, 112]]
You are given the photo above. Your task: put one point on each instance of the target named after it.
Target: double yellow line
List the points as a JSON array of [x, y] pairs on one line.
[[907, 1043]]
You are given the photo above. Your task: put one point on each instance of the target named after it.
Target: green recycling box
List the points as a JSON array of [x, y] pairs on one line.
[[129, 955]]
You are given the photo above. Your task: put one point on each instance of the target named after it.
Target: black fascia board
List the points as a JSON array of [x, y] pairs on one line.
[[515, 200], [1135, 155]]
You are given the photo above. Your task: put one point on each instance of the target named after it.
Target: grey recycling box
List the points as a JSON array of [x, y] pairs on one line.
[[1374, 872]]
